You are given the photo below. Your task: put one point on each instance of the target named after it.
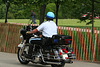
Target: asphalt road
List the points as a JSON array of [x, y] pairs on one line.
[[10, 60]]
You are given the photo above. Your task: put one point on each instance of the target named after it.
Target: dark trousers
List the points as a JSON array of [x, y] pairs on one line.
[[46, 43]]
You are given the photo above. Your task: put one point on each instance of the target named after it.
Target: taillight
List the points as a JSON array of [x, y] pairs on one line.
[[68, 41], [71, 52], [67, 58], [60, 53], [65, 51]]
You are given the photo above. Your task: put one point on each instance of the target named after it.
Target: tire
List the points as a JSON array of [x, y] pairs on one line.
[[20, 59], [54, 65]]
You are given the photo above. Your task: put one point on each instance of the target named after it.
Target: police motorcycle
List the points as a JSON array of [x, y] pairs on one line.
[[53, 51]]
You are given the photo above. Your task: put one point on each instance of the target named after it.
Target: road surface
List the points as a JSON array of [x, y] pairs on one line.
[[10, 60]]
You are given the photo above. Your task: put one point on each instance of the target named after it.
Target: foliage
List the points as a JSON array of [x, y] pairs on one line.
[[2, 11], [67, 9]]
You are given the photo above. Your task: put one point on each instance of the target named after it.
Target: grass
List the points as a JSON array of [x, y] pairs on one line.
[[61, 22], [18, 21]]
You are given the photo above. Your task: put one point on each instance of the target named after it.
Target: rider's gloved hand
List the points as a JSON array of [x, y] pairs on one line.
[[28, 32]]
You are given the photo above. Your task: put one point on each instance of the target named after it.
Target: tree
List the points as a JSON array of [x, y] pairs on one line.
[[42, 4], [67, 8], [7, 7], [7, 3], [58, 2], [42, 13]]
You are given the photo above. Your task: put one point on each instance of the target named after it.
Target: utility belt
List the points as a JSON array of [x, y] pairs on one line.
[[46, 37]]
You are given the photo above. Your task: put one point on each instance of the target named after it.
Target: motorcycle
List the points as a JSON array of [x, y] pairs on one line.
[[53, 51]]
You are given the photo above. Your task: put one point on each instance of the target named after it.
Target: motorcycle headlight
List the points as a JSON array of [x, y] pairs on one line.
[[21, 37]]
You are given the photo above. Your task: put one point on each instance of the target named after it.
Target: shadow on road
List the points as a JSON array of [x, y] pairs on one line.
[[32, 65]]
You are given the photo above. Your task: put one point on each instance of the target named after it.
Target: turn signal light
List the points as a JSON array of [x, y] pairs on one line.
[[60, 53], [65, 51], [71, 52], [67, 58]]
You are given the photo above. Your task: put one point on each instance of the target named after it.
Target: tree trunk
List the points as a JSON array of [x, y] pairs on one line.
[[57, 8], [42, 13], [7, 7]]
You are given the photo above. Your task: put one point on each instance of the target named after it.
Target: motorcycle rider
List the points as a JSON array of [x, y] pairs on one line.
[[48, 28]]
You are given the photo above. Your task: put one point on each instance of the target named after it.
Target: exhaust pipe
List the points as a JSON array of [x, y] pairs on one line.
[[58, 63]]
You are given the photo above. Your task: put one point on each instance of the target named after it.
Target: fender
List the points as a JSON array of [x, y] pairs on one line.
[[20, 45]]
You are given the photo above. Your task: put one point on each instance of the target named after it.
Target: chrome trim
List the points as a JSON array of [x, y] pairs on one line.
[[53, 63]]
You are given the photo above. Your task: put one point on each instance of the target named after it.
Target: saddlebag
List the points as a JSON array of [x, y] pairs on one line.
[[61, 39]]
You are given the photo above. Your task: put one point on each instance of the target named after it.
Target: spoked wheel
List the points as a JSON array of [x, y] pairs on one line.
[[54, 65], [21, 60]]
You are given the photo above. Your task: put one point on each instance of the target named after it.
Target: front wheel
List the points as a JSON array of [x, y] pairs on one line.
[[21, 60], [54, 65]]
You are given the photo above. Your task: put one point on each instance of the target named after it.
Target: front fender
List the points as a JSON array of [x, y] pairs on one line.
[[20, 45]]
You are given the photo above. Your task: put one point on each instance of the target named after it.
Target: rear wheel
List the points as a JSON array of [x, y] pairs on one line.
[[62, 65], [21, 60]]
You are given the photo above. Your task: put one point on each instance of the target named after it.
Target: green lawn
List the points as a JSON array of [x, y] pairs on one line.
[[61, 22]]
